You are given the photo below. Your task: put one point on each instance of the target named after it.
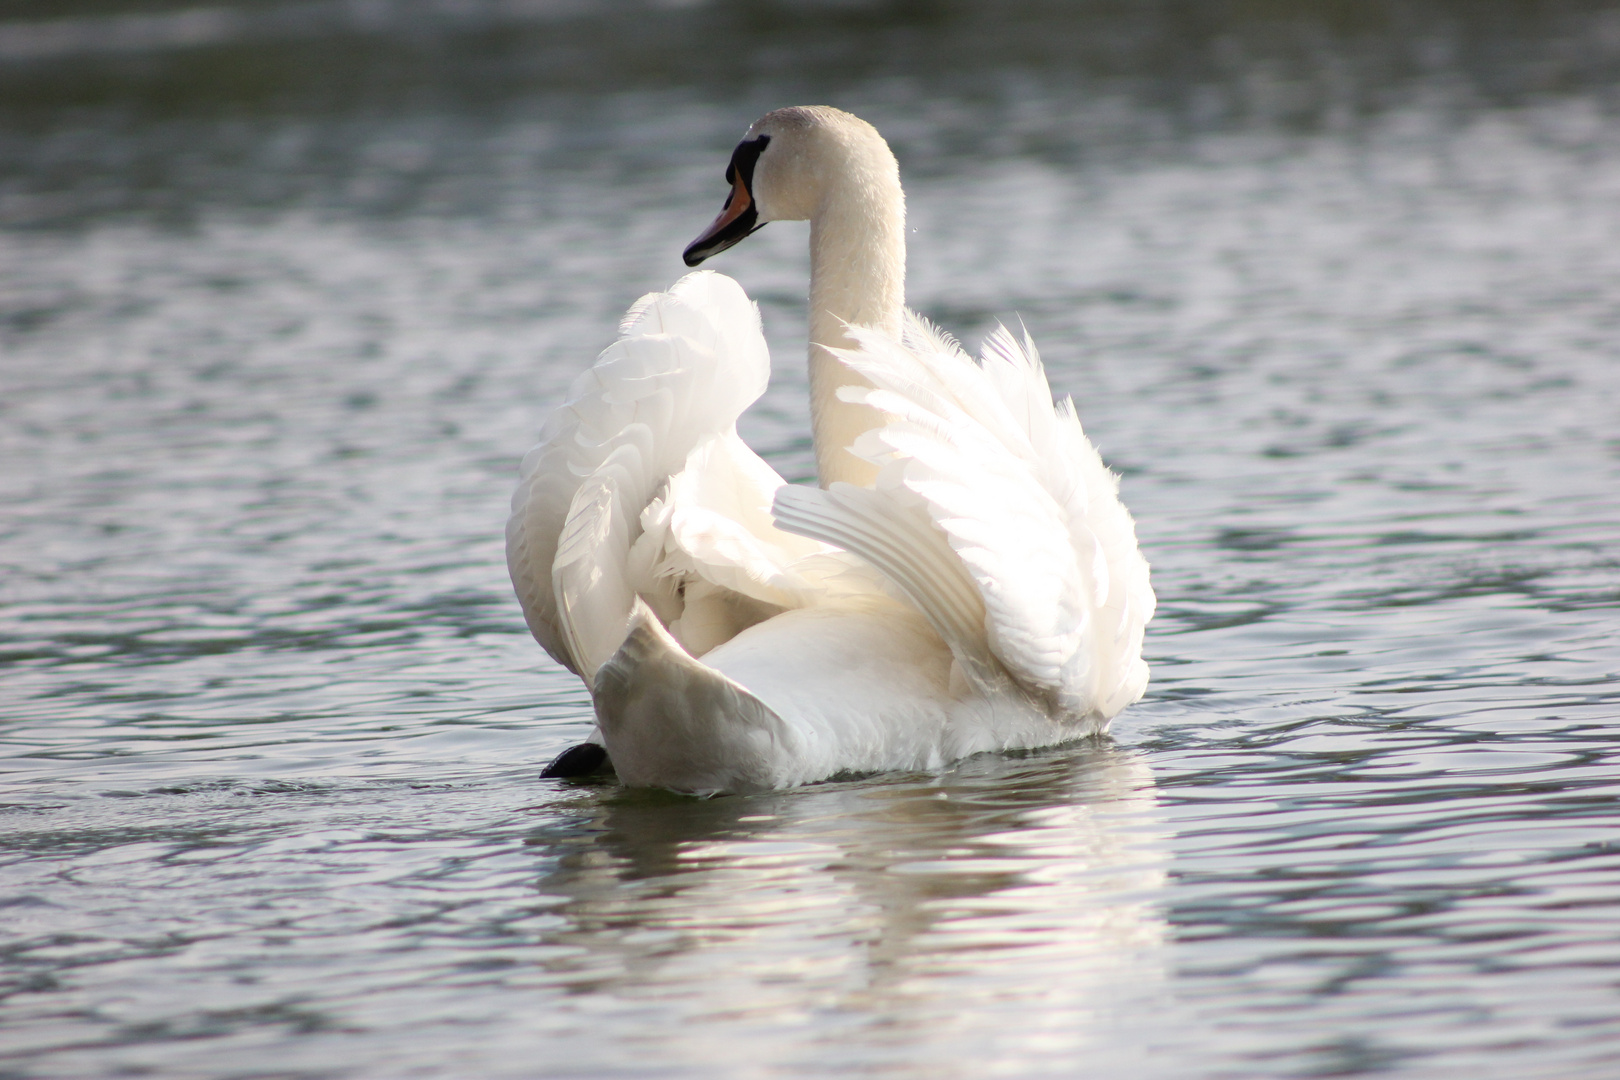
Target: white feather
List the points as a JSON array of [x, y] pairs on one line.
[[688, 362], [972, 583]]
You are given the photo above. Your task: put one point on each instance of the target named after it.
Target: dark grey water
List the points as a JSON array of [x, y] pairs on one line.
[[287, 288]]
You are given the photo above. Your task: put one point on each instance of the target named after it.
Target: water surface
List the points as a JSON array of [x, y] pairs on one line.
[[287, 289]]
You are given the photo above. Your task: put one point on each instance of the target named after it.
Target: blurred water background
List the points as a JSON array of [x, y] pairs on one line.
[[287, 287]]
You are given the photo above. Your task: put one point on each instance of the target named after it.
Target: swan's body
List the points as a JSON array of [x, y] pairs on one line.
[[965, 579]]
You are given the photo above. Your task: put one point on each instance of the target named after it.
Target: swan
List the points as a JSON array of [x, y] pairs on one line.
[[963, 579]]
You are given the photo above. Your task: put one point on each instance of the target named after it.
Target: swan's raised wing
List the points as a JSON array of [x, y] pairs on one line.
[[686, 364], [713, 520], [990, 492]]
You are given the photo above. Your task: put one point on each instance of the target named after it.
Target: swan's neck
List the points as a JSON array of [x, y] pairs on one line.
[[857, 277]]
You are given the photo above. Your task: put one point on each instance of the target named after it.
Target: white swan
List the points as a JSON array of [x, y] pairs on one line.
[[964, 580]]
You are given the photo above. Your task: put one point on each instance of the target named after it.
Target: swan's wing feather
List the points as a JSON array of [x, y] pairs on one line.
[[714, 520], [688, 362], [898, 538], [1009, 537], [1008, 481], [593, 600], [1102, 530]]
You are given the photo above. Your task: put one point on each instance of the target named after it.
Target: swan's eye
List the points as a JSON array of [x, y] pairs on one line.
[[744, 158]]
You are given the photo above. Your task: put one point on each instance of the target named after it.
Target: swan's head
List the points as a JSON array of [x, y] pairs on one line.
[[787, 165]]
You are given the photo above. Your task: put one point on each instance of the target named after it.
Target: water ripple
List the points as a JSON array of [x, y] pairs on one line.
[[1333, 292]]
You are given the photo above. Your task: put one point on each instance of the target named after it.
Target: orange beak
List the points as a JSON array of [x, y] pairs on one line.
[[738, 217]]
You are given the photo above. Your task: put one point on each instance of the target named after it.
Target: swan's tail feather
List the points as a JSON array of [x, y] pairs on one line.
[[671, 721]]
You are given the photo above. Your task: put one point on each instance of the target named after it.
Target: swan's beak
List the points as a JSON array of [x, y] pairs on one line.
[[737, 219], [740, 215]]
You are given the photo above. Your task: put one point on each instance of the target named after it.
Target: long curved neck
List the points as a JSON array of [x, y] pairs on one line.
[[857, 277]]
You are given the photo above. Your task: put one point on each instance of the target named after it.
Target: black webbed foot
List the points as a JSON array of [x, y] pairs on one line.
[[576, 761]]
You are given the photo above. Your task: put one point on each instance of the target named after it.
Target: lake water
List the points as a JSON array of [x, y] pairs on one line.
[[286, 290]]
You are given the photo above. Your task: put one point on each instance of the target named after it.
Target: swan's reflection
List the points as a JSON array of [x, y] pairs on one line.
[[1008, 908]]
